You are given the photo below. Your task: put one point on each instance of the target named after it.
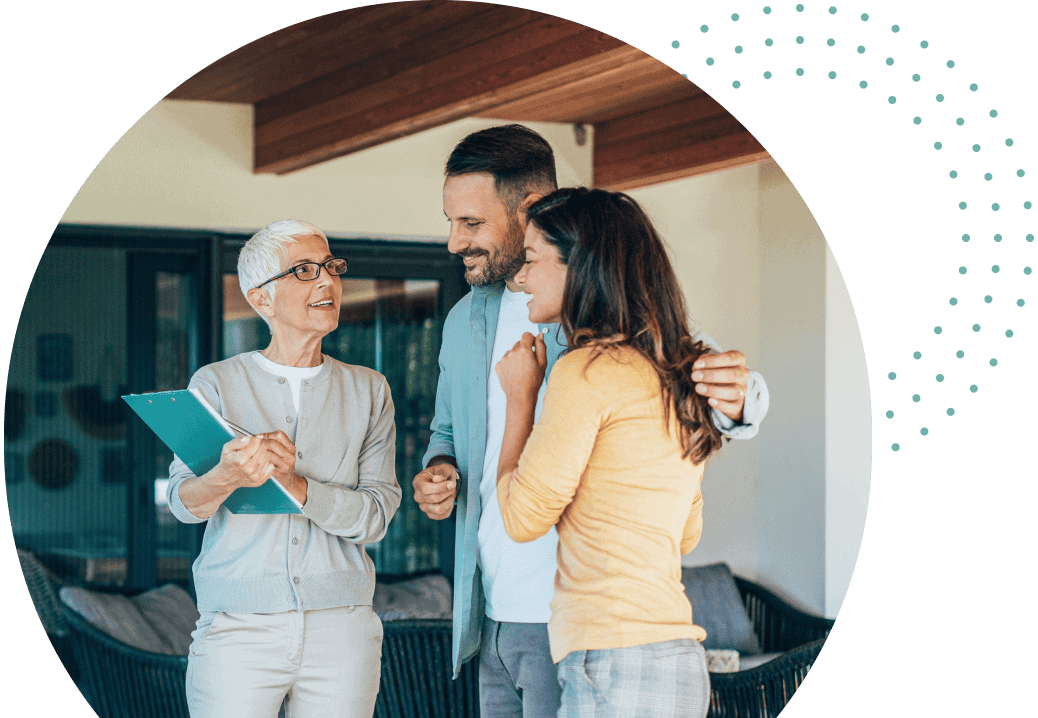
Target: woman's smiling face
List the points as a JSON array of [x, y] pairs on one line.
[[543, 276], [307, 308]]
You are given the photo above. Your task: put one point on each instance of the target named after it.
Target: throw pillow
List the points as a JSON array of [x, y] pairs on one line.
[[171, 612], [719, 660], [116, 616], [427, 597], [718, 608], [753, 661]]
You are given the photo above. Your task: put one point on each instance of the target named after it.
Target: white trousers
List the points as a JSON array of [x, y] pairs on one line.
[[244, 664]]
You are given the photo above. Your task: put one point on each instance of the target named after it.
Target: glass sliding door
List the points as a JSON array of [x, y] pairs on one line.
[[165, 344], [104, 316], [64, 427]]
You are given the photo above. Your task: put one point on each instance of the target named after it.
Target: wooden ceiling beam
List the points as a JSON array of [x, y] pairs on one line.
[[347, 112], [311, 49], [681, 139], [592, 98], [397, 68], [350, 80]]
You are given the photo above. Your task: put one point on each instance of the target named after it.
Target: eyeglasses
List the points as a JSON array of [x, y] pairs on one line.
[[309, 271]]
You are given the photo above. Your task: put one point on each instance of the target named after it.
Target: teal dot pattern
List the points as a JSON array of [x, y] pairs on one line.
[[880, 59]]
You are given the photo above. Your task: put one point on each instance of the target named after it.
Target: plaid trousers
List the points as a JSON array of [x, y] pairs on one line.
[[657, 680]]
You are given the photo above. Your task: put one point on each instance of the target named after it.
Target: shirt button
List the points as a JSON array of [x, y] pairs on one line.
[[281, 380], [295, 580], [299, 454], [295, 541], [289, 419]]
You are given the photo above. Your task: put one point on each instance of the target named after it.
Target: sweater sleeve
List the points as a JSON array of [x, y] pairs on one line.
[[362, 515], [536, 493], [178, 470]]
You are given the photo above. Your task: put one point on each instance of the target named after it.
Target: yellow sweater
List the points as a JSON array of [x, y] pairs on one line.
[[602, 466]]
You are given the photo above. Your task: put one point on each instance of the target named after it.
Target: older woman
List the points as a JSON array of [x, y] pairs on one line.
[[285, 599]]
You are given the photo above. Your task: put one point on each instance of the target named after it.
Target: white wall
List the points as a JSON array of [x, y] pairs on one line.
[[189, 164], [848, 437], [790, 527], [785, 508]]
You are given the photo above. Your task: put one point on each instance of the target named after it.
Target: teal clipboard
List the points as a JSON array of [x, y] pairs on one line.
[[196, 433]]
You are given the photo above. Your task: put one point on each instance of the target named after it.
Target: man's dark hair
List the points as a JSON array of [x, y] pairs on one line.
[[519, 159]]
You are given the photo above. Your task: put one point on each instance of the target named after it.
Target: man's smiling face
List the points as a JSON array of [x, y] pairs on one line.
[[487, 237]]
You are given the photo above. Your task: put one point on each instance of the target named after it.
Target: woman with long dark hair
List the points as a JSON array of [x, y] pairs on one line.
[[616, 459]]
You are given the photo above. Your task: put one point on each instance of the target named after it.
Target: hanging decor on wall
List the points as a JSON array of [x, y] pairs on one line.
[[53, 464], [96, 417], [96, 408], [15, 408], [54, 357]]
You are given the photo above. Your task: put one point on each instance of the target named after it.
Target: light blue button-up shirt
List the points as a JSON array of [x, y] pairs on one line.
[[459, 430]]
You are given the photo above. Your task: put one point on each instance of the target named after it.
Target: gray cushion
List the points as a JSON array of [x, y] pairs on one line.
[[116, 616], [171, 612], [718, 608], [749, 662], [427, 597]]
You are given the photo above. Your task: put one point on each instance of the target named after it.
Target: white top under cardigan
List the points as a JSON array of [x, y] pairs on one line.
[[518, 578], [346, 441]]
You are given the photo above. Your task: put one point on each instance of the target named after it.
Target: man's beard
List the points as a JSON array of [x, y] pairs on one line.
[[505, 263]]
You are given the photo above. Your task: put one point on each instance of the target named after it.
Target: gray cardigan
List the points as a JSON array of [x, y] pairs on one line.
[[346, 442]]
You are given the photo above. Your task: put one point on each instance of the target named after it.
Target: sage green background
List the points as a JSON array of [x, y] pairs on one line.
[[937, 617]]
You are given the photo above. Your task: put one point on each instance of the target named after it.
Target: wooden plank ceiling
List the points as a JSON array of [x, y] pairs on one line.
[[354, 79]]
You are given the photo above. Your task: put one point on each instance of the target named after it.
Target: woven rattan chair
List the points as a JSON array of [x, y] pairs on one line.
[[763, 691], [120, 681], [43, 589], [416, 674]]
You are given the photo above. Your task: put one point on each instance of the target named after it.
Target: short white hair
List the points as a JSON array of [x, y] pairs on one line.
[[260, 258]]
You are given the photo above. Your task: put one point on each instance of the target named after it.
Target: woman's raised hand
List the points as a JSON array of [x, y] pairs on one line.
[[245, 461], [283, 453], [521, 369]]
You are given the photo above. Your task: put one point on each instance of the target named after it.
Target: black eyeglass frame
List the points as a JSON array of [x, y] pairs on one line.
[[294, 271]]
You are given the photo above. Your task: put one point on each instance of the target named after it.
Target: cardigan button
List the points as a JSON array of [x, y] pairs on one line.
[[299, 454], [295, 580], [281, 380], [289, 419]]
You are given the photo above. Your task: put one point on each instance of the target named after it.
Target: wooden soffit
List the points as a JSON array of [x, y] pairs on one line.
[[357, 78]]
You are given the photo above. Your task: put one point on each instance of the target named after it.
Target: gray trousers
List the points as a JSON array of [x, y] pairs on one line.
[[517, 678]]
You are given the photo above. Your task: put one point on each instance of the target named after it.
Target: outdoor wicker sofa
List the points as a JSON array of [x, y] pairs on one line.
[[119, 680], [763, 691]]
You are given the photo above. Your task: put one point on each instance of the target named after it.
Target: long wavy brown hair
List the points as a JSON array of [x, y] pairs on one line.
[[621, 290]]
